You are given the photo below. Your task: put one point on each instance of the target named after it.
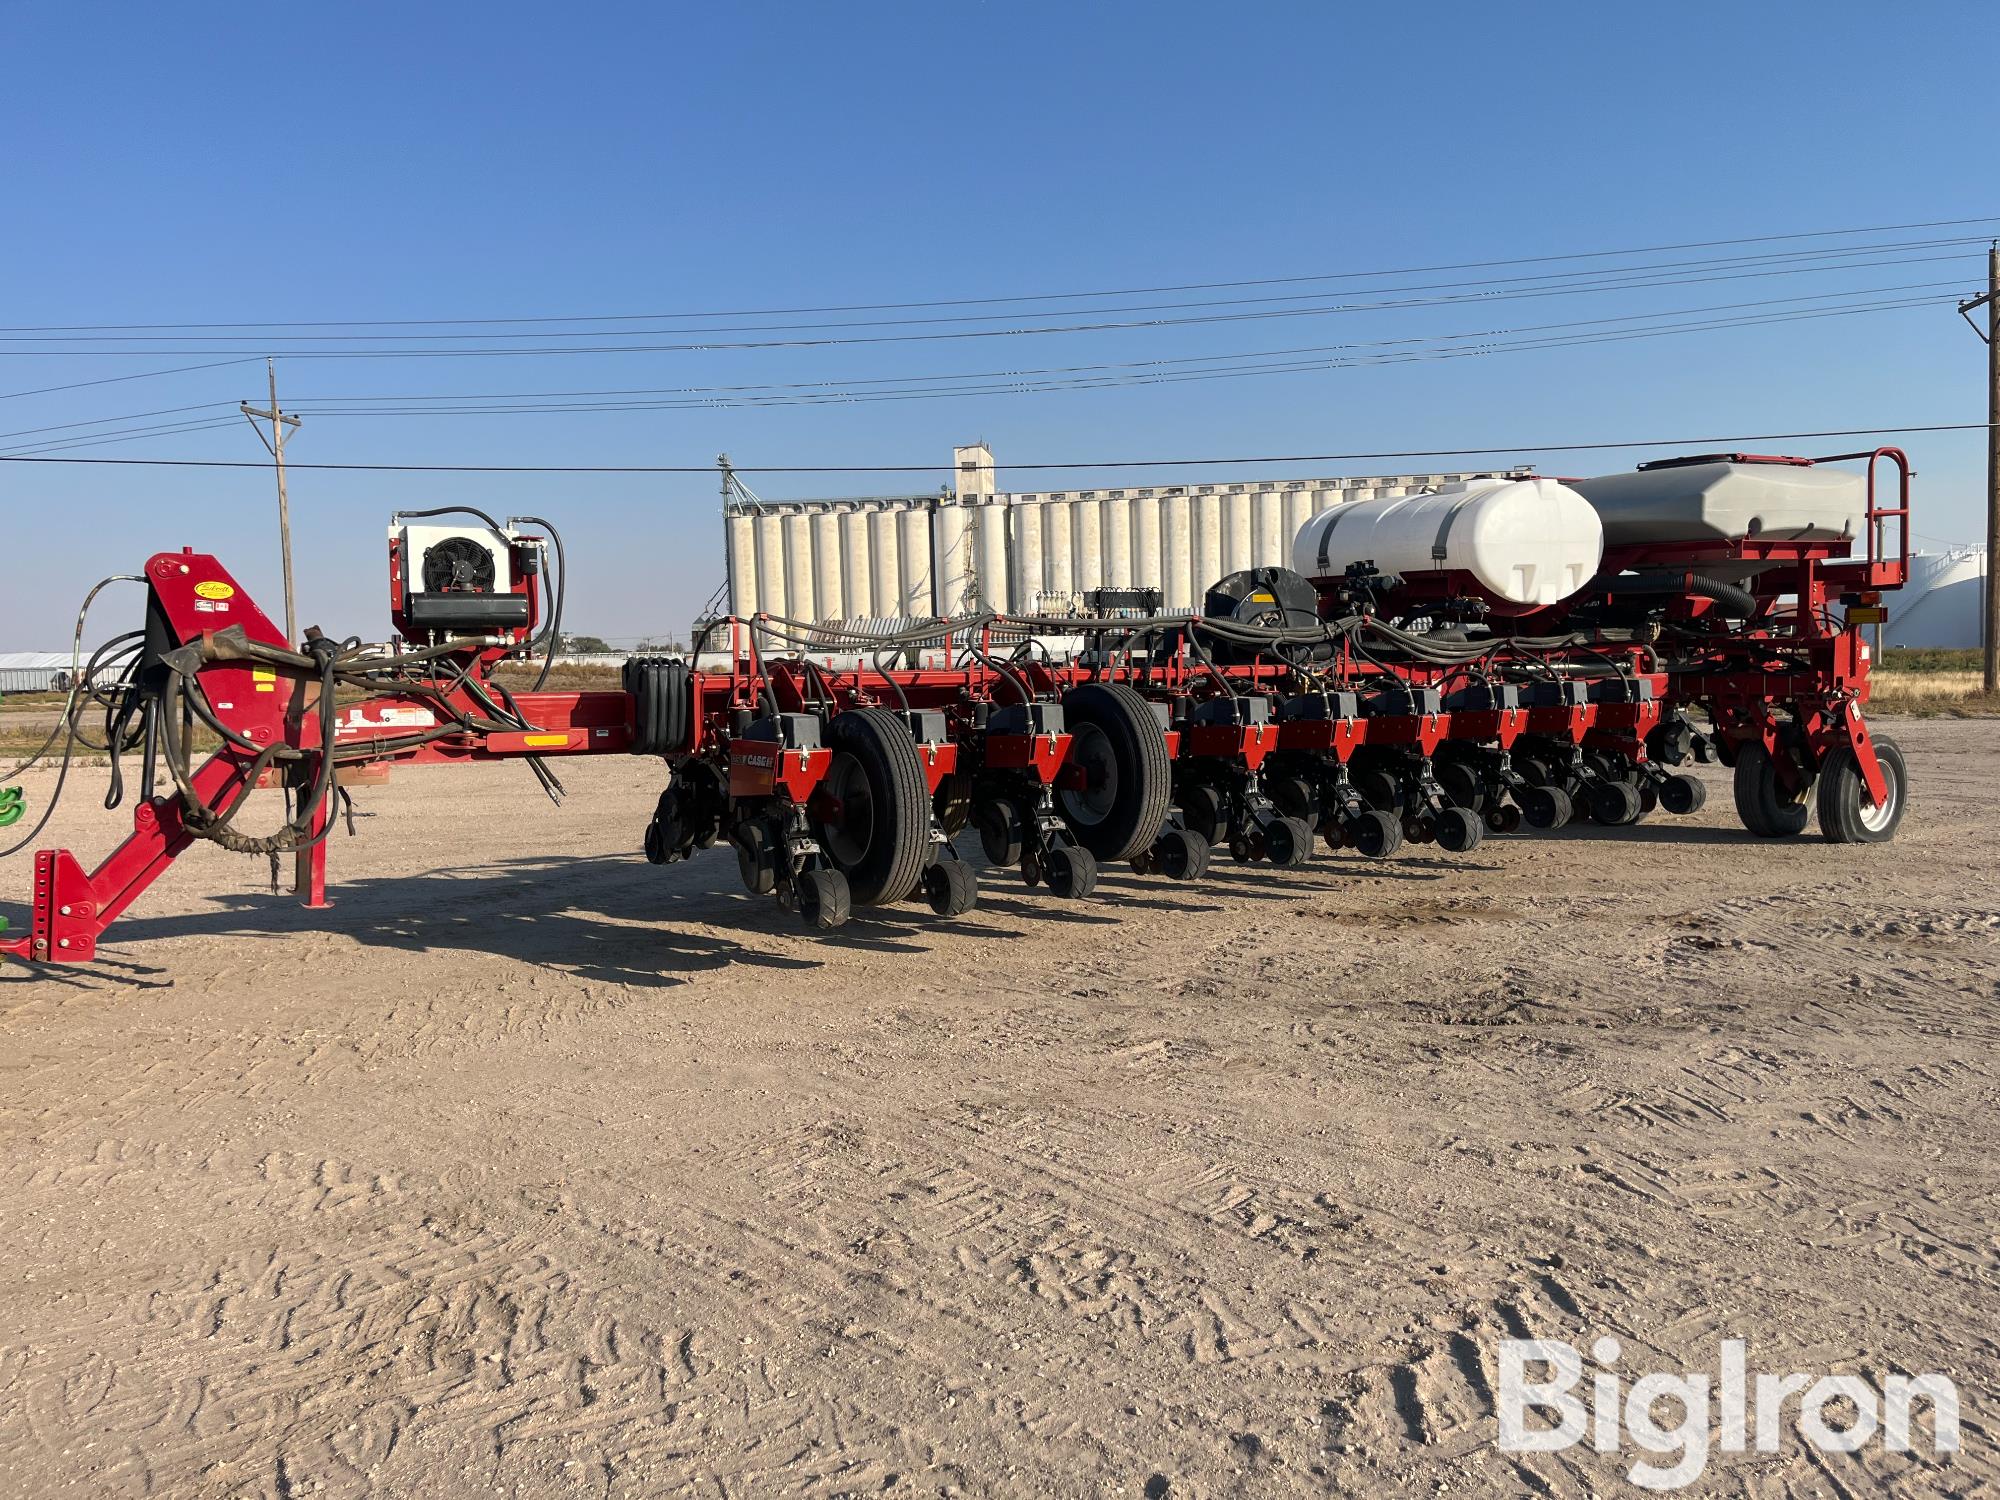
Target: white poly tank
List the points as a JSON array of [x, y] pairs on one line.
[[1717, 499], [1524, 541]]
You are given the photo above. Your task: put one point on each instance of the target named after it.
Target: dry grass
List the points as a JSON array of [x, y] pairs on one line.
[[1954, 695]]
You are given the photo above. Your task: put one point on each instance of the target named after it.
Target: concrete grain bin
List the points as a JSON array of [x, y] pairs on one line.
[[895, 557], [857, 575], [741, 528], [1117, 519], [913, 555], [952, 561], [1027, 556], [770, 596], [888, 589], [991, 579]]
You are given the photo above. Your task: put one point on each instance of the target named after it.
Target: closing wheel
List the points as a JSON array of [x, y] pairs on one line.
[[1458, 829], [1462, 783], [1000, 832], [825, 899], [1180, 855], [952, 803], [1119, 755], [1546, 806], [1506, 818], [1201, 809], [1681, 794], [951, 887], [1846, 816], [1765, 806], [1534, 769], [1287, 842], [1292, 796], [755, 860], [656, 845], [1070, 869], [1381, 788], [872, 813], [1616, 803], [1375, 834]]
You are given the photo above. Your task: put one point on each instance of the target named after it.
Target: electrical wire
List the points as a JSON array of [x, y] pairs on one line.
[[1043, 467], [1793, 263], [709, 344], [1549, 259], [1217, 370], [326, 405]]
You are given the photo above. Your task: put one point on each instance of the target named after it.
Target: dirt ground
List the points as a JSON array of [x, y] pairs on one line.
[[530, 1169]]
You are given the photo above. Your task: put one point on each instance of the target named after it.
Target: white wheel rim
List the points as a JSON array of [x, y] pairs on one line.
[[1876, 817]]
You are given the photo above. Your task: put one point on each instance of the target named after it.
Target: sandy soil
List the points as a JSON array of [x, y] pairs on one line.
[[530, 1169]]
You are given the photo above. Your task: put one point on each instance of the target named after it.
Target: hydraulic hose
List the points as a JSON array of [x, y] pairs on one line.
[[1739, 603]]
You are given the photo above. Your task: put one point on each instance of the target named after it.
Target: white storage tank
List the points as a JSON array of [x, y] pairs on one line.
[[1723, 498], [1524, 541]]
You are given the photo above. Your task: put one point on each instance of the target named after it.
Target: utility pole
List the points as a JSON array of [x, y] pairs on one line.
[[281, 421], [1989, 615]]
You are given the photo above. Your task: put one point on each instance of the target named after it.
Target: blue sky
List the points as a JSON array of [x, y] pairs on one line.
[[169, 164]]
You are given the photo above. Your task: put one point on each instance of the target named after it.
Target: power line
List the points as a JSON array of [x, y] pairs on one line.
[[1608, 279], [1180, 369], [1197, 286], [103, 421], [707, 345], [122, 435], [1193, 368], [77, 385], [1722, 442], [327, 404]]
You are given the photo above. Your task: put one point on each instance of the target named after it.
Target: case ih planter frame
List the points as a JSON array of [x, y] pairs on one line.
[[1366, 710]]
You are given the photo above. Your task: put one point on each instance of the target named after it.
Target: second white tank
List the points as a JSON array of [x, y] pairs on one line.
[[1524, 541]]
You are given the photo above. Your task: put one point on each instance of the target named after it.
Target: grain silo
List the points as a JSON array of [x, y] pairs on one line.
[[982, 548]]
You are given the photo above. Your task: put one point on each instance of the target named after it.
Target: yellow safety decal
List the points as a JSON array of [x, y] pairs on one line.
[[545, 739], [215, 588], [265, 679]]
